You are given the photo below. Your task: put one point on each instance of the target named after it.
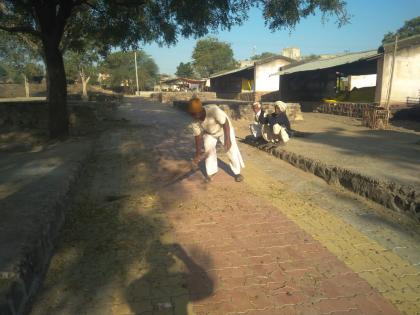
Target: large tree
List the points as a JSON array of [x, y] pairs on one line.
[[211, 55], [120, 67], [410, 28], [54, 25], [185, 70]]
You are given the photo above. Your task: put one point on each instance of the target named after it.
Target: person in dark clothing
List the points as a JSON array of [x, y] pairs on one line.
[[279, 124]]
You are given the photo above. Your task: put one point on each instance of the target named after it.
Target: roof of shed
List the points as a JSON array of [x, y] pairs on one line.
[[256, 62], [223, 73], [328, 63]]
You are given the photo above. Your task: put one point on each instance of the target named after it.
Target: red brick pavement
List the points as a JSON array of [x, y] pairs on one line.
[[260, 262]]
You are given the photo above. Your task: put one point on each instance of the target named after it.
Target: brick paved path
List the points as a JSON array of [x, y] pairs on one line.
[[209, 249], [261, 262]]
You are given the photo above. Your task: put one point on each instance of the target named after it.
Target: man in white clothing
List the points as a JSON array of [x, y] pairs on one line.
[[256, 126], [212, 125]]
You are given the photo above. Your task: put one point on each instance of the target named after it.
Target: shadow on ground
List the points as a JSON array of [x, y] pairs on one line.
[[399, 150], [115, 252]]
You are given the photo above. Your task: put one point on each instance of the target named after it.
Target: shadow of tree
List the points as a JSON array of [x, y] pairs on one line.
[[116, 240], [171, 282]]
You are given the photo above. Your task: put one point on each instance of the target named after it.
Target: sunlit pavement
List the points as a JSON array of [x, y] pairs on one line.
[[139, 241]]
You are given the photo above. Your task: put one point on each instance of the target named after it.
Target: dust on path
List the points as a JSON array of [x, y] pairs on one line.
[[130, 245]]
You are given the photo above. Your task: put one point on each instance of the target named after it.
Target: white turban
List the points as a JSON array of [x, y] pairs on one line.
[[281, 105]]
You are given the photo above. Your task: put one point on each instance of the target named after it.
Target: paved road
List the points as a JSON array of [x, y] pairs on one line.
[[137, 241]]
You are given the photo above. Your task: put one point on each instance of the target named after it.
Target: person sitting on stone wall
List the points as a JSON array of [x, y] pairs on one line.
[[259, 119], [276, 128]]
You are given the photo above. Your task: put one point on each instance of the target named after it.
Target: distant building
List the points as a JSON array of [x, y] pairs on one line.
[[370, 70], [291, 52], [179, 84], [249, 82], [323, 78], [245, 63]]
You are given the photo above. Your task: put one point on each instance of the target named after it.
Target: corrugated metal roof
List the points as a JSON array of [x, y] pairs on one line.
[[275, 57], [230, 71], [403, 43], [256, 62], [329, 63]]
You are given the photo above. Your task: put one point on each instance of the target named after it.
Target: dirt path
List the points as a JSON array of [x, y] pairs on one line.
[[132, 244]]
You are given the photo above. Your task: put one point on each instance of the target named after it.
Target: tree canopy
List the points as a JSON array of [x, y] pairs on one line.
[[263, 55], [79, 63], [55, 26], [185, 70], [18, 60], [211, 55], [120, 67], [410, 28]]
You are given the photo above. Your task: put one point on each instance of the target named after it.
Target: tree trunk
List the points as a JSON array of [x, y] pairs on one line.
[[56, 91], [25, 79]]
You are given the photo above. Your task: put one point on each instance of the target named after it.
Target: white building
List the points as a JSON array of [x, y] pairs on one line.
[[406, 77], [249, 82], [291, 52]]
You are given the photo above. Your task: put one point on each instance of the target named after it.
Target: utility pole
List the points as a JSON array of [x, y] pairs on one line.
[[392, 72], [137, 75]]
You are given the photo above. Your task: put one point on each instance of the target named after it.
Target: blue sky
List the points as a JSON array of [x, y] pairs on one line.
[[371, 19]]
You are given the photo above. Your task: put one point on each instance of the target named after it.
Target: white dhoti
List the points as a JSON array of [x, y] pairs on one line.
[[275, 134], [234, 155], [255, 130]]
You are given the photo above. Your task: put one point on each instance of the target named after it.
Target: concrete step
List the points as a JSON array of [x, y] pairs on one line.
[[34, 189]]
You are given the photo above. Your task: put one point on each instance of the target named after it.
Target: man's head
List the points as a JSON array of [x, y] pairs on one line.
[[195, 108], [280, 107], [256, 107]]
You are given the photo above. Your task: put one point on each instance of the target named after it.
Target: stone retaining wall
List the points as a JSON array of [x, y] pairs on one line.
[[18, 90], [252, 96], [34, 115], [238, 110], [403, 199], [167, 97], [344, 109]]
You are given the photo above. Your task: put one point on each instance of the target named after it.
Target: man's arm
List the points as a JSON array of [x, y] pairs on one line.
[[226, 131], [285, 121]]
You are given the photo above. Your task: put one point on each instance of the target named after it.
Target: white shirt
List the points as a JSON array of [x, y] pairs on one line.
[[257, 115], [212, 124]]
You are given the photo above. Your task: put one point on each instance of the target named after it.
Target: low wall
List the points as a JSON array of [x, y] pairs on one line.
[[228, 96], [40, 89], [243, 110], [252, 96], [269, 97], [402, 199], [344, 109], [167, 97], [33, 115], [18, 90]]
